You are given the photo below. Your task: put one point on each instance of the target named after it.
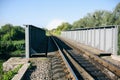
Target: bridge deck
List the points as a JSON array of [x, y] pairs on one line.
[[87, 48], [92, 54]]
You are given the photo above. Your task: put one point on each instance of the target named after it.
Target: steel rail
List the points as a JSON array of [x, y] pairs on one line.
[[81, 70], [107, 65], [73, 75]]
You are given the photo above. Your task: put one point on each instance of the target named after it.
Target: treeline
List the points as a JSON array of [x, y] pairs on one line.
[[12, 40], [95, 19]]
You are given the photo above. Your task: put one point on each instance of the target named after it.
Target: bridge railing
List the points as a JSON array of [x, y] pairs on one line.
[[35, 40], [102, 38]]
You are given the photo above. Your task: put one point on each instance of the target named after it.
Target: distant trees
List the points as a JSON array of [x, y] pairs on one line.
[[62, 27], [116, 14], [96, 19]]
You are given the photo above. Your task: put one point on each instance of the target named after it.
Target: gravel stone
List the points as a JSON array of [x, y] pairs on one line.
[[46, 68], [40, 69]]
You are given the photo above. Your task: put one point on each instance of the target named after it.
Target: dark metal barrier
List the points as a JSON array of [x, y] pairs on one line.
[[36, 41]]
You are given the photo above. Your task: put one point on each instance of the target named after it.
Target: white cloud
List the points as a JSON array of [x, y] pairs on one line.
[[54, 24]]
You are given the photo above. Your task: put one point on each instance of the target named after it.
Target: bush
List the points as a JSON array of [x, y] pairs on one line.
[[19, 45], [7, 47], [18, 53]]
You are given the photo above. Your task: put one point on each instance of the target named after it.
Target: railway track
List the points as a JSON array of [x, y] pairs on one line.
[[51, 67], [83, 66], [68, 63]]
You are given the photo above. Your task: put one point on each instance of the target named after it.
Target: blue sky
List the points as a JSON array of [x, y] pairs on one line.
[[49, 13]]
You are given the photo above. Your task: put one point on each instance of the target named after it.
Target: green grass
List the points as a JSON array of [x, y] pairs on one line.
[[1, 68], [18, 53], [10, 74]]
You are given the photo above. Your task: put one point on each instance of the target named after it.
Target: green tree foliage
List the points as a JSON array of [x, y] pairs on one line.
[[116, 15], [62, 27], [98, 18], [11, 38], [4, 29], [9, 32]]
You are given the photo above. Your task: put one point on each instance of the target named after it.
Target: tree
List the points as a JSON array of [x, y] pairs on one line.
[[116, 14], [62, 27], [6, 28], [10, 32]]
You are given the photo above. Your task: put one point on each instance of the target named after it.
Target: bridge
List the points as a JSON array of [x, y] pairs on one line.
[[104, 39], [82, 54]]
